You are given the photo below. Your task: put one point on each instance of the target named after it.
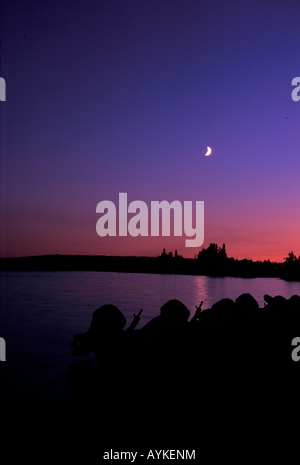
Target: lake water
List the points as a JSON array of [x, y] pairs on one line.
[[40, 312]]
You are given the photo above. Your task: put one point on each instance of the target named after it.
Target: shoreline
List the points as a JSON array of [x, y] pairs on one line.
[[245, 269]]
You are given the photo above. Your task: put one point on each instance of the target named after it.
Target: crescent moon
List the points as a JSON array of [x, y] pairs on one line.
[[208, 151]]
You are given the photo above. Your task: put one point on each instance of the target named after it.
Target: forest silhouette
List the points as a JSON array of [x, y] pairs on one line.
[[212, 261]]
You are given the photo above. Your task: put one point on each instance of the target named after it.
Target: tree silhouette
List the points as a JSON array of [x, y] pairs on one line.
[[291, 258]]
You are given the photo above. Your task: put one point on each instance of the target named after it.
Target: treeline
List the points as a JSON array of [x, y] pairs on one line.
[[212, 261]]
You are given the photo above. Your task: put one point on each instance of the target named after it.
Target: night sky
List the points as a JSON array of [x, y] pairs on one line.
[[124, 96]]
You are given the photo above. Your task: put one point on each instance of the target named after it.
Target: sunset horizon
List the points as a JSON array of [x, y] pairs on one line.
[[185, 101]]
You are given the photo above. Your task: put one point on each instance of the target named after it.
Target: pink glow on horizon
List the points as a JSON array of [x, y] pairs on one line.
[[134, 112]]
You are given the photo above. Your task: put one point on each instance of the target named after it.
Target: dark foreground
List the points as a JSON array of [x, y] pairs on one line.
[[222, 382]]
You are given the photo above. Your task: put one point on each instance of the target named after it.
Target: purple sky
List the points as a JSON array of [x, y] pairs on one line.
[[124, 96]]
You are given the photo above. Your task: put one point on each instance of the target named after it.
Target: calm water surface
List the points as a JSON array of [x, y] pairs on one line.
[[40, 312]]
